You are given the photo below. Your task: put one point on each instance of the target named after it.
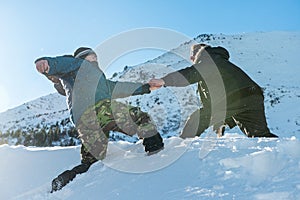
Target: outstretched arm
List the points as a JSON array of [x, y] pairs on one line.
[[183, 77], [125, 89], [57, 66], [179, 78]]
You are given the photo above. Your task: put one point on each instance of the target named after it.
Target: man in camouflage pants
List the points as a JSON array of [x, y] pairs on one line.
[[95, 119]]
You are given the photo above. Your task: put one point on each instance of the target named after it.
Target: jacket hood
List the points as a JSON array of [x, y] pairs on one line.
[[216, 52]]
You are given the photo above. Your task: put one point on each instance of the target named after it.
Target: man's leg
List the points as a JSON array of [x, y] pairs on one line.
[[64, 178], [253, 120], [131, 120], [93, 132], [196, 124], [87, 159], [146, 129], [86, 156], [94, 141]]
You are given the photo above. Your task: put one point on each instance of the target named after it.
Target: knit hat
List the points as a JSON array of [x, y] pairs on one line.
[[83, 52]]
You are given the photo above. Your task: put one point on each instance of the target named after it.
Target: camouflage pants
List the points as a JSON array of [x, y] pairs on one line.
[[109, 115]]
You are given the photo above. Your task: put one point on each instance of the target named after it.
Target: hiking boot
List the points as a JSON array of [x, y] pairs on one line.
[[62, 180], [153, 144], [68, 175]]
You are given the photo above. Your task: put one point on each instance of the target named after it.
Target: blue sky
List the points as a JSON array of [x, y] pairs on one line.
[[32, 28]]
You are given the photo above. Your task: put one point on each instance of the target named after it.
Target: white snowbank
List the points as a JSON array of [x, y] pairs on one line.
[[235, 168]]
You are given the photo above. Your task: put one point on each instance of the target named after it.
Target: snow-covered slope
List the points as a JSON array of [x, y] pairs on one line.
[[234, 168], [231, 167], [43, 111]]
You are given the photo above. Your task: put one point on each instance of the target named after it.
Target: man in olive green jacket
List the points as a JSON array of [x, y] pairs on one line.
[[228, 95]]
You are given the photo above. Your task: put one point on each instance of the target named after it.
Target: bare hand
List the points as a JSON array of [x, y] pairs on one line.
[[42, 66], [153, 88], [156, 82]]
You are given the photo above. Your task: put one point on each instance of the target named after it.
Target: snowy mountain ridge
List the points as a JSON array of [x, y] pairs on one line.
[[44, 110]]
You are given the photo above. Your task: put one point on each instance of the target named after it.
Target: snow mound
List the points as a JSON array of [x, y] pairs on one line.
[[234, 168]]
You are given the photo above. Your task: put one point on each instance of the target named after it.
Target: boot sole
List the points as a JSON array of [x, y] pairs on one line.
[[154, 152]]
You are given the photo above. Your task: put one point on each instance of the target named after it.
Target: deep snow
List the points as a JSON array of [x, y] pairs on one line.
[[234, 168]]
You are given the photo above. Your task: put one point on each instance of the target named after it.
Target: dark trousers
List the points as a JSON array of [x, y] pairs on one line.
[[247, 112]]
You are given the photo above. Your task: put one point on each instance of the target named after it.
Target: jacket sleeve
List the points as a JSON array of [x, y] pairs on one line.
[[125, 89], [61, 65], [59, 88], [183, 77], [57, 85]]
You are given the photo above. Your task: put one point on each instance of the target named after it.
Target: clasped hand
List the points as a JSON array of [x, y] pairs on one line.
[[156, 84]]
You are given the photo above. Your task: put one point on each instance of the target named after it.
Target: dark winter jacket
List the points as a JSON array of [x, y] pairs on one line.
[[85, 84], [215, 74]]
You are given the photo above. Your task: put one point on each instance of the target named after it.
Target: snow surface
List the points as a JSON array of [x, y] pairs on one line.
[[234, 168], [231, 167]]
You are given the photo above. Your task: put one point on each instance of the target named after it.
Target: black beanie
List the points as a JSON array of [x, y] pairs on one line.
[[83, 52]]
